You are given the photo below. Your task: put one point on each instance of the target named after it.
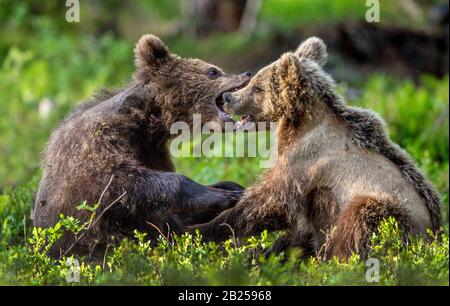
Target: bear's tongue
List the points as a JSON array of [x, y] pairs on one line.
[[242, 123], [244, 119]]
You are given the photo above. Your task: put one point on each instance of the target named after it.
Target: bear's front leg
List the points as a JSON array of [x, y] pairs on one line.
[[204, 216], [255, 212], [197, 198], [175, 193], [228, 185]]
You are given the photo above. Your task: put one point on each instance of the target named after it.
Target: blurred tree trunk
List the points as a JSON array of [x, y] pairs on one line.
[[250, 17], [208, 16]]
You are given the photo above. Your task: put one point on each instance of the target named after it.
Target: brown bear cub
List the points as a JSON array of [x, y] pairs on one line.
[[337, 174], [113, 151]]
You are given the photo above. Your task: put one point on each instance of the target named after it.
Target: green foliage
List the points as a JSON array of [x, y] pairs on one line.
[[286, 13], [289, 14], [427, 104], [33, 76], [186, 260]]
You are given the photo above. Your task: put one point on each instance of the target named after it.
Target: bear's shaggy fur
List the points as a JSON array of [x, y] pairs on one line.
[[113, 151], [338, 174]]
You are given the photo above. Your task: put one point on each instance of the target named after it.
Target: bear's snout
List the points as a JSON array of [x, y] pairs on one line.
[[230, 104], [226, 97]]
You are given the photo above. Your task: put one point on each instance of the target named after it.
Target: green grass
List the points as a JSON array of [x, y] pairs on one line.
[[56, 63]]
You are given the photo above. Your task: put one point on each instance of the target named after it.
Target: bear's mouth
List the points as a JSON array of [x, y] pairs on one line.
[[218, 103]]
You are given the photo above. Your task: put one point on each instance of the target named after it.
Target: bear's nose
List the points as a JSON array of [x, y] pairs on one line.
[[248, 74], [226, 97]]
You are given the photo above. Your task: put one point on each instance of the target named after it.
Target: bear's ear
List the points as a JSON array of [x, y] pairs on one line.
[[289, 68], [289, 75], [314, 49], [150, 51]]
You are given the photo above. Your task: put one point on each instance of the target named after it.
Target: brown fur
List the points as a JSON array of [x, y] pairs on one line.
[[357, 222], [336, 168], [116, 145]]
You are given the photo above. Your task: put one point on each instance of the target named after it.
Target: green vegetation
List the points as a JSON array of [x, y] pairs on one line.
[[44, 60], [188, 261]]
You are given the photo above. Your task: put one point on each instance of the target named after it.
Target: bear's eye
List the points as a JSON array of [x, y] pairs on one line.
[[257, 89], [213, 73]]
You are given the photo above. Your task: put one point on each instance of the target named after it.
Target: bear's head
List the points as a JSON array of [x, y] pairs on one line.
[[184, 86], [284, 88]]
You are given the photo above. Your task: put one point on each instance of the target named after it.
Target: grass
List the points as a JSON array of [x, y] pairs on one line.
[[57, 65]]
